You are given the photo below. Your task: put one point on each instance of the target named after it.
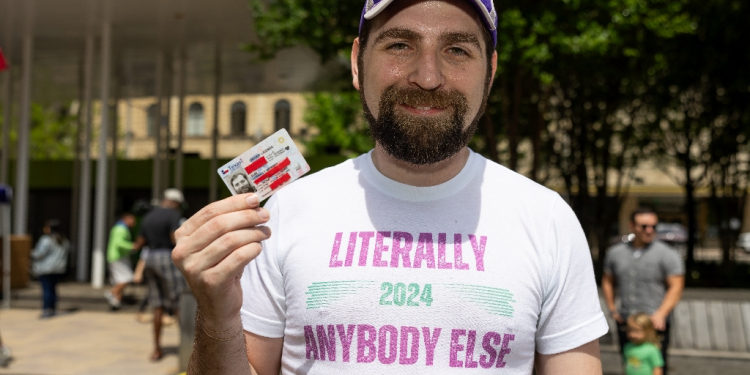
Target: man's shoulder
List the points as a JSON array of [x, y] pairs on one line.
[[498, 177], [618, 249]]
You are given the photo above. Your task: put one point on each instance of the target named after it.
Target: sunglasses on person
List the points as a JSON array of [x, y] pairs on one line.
[[645, 226]]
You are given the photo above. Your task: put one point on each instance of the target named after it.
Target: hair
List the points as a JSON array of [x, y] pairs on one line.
[[640, 211], [54, 230], [234, 177], [644, 321]]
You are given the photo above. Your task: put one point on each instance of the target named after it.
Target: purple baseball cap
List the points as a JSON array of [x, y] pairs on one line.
[[485, 8]]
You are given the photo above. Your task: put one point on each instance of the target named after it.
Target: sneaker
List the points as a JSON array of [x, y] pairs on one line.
[[47, 313], [112, 300], [5, 356]]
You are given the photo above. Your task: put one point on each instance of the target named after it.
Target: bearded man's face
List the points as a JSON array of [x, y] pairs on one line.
[[424, 77]]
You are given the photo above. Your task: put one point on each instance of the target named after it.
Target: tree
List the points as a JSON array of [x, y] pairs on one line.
[[341, 129], [52, 135]]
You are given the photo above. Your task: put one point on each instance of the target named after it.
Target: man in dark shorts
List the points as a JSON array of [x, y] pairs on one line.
[[165, 283]]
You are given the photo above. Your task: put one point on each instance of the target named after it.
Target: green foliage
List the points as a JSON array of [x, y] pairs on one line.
[[327, 26], [337, 116], [52, 134]]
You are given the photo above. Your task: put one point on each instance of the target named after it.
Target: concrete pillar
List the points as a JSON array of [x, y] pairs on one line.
[[156, 176], [98, 261], [84, 200], [7, 91], [21, 190], [213, 177], [179, 157], [167, 121]]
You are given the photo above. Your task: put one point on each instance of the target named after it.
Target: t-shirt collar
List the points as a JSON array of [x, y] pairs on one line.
[[421, 194]]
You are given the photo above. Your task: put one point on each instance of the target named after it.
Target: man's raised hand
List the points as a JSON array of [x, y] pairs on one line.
[[213, 247]]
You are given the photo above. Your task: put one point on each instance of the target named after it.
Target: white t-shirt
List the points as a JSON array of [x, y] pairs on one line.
[[365, 275]]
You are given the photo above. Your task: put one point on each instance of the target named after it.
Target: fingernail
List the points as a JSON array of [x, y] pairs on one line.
[[252, 199], [263, 214]]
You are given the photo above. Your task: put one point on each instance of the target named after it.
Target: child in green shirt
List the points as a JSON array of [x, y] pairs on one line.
[[642, 354]]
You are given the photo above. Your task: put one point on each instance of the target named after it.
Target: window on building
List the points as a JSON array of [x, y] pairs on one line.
[[239, 118], [151, 120], [282, 113], [196, 121]]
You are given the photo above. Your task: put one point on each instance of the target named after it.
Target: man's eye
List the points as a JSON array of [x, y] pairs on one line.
[[458, 51], [398, 46]]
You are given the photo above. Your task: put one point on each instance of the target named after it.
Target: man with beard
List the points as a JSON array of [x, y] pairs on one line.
[[240, 183], [427, 258]]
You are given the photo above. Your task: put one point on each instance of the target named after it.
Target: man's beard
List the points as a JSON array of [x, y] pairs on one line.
[[421, 140]]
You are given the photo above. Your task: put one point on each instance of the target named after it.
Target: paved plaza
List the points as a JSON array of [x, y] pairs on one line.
[[91, 339]]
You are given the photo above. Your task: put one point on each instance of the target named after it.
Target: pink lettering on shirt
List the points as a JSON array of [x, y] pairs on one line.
[[425, 251], [401, 250], [456, 347], [406, 356], [350, 249], [458, 255], [366, 236], [430, 342], [442, 264], [387, 344], [366, 336], [335, 262], [478, 250], [377, 257], [346, 339]]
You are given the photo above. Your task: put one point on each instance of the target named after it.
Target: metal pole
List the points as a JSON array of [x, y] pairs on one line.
[[6, 254], [112, 194], [167, 122], [213, 188], [97, 270], [24, 126], [84, 201], [156, 176], [8, 93], [181, 120], [128, 105]]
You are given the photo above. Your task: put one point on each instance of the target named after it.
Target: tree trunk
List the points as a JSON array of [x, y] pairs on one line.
[[690, 210], [513, 126]]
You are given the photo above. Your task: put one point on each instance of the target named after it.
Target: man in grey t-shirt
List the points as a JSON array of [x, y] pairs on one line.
[[649, 276]]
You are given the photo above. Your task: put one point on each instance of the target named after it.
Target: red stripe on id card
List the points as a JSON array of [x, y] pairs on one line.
[[283, 164], [279, 181], [256, 164]]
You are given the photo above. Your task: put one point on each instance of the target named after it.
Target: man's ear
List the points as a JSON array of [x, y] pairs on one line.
[[355, 65], [494, 68]]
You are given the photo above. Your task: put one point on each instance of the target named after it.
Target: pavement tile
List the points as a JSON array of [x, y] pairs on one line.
[[84, 342]]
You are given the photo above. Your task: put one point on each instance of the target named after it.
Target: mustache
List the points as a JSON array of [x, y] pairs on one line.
[[416, 97]]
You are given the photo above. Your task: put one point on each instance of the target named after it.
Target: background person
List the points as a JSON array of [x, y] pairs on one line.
[[641, 353], [50, 258], [119, 248], [165, 283], [5, 354], [648, 275]]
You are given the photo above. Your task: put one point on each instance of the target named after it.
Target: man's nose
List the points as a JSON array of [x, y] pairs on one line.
[[427, 71]]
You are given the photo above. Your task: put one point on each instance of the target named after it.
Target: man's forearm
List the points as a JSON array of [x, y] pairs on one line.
[[217, 353], [609, 293], [673, 295]]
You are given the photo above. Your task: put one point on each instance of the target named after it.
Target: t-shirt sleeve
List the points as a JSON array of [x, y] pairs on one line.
[[571, 314], [673, 264], [655, 358], [263, 296]]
